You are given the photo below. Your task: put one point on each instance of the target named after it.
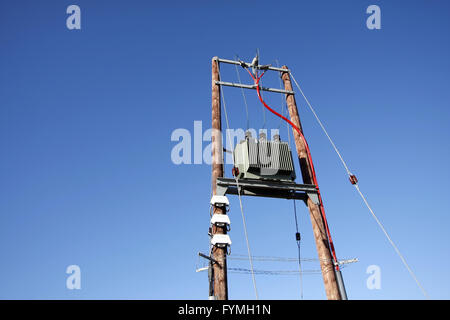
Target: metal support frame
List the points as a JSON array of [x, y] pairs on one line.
[[267, 188], [247, 86], [334, 284]]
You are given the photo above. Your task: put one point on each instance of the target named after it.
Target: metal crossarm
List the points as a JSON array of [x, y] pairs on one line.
[[252, 86], [260, 67]]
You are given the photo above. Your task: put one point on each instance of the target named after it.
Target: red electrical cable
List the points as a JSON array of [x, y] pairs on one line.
[[313, 172]]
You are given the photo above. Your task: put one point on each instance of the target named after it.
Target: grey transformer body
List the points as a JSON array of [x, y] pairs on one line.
[[264, 159]]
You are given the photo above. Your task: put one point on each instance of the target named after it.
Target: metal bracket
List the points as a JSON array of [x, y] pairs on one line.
[[213, 261], [267, 188]]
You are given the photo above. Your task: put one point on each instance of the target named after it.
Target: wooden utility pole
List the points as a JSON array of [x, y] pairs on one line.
[[320, 235], [219, 254]]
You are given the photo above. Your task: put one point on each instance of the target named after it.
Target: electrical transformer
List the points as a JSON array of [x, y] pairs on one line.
[[263, 159]]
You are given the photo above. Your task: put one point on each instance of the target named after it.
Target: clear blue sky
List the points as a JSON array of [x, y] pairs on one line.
[[86, 117]]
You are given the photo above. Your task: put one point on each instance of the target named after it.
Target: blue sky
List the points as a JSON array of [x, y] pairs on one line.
[[86, 117]]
